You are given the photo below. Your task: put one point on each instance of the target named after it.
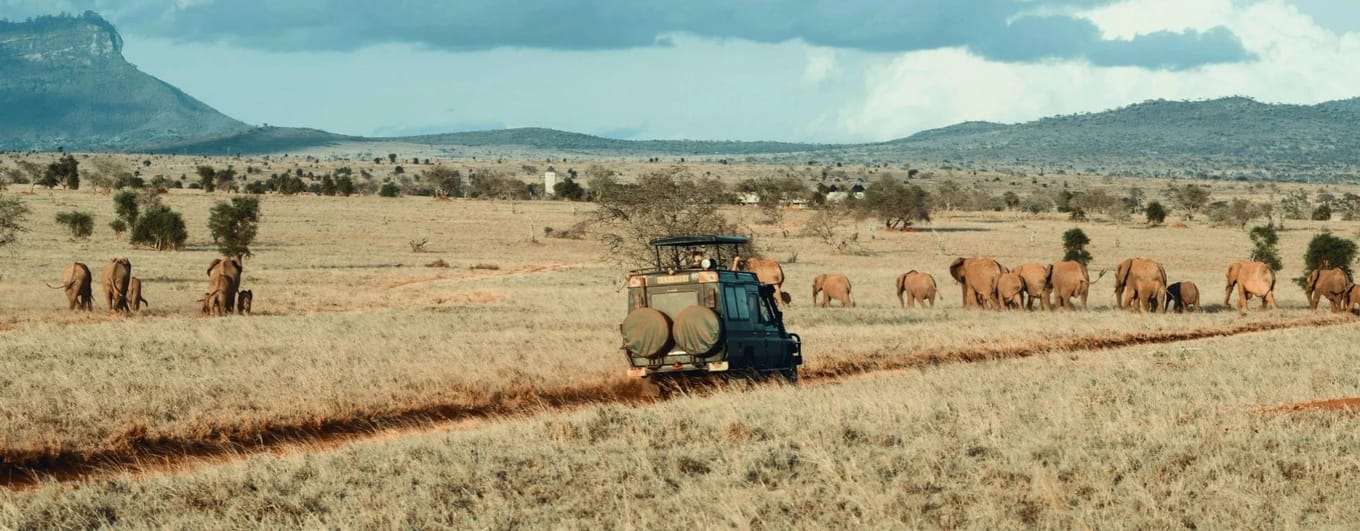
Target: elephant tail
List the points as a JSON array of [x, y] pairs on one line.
[[1100, 276], [63, 286]]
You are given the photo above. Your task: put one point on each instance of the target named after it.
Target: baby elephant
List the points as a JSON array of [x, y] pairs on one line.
[[243, 300], [1182, 296], [917, 287], [1008, 289], [134, 295], [832, 286]]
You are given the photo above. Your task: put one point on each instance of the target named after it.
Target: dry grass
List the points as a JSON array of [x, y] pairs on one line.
[[1149, 437], [352, 330]]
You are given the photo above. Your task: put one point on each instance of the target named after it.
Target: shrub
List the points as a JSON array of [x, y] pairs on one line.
[[125, 207], [118, 226], [80, 224], [12, 215], [161, 228], [1326, 251], [1156, 213], [1264, 240], [233, 225], [206, 178], [895, 204], [389, 190], [1322, 213], [1074, 246]]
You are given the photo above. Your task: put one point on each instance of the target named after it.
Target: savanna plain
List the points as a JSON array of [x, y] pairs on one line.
[[491, 393]]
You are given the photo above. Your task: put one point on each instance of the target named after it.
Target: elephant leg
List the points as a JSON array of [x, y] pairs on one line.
[[1227, 295], [1269, 299]]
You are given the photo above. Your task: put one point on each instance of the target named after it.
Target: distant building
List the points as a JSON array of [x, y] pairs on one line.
[[549, 182]]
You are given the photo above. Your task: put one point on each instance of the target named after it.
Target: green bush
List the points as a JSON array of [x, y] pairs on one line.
[[389, 190], [118, 226], [161, 228], [1156, 213], [126, 207], [1326, 251], [1265, 240], [80, 224], [233, 225], [1074, 246], [1322, 213]]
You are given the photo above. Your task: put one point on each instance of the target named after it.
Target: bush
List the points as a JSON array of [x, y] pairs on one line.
[[125, 207], [1265, 240], [1156, 213], [1322, 213], [1074, 246], [670, 202], [12, 215], [80, 224], [206, 178], [161, 228], [1326, 251], [233, 225], [118, 226], [389, 190]]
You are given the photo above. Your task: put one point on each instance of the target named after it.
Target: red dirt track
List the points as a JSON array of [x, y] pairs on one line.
[[1335, 404], [140, 454]]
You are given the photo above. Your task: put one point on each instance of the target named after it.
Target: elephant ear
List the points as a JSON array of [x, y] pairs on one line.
[[956, 269], [1121, 275], [213, 265]]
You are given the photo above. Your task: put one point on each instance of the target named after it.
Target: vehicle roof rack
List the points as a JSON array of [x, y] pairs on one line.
[[704, 239]]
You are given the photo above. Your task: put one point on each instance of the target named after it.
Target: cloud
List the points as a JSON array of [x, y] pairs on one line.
[[1004, 30]]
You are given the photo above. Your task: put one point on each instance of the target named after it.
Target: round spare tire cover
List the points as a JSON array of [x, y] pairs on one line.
[[697, 330], [646, 332]]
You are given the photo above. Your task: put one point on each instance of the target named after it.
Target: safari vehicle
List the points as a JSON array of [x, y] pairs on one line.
[[691, 315]]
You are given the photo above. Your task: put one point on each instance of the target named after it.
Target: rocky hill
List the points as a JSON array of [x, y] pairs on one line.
[[64, 83]]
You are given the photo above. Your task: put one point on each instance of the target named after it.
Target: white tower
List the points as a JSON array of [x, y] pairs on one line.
[[549, 182]]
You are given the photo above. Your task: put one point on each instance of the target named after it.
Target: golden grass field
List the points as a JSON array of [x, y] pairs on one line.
[[352, 333]]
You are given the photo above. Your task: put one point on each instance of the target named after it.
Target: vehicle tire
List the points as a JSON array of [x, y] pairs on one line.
[[697, 330], [790, 375], [646, 332]]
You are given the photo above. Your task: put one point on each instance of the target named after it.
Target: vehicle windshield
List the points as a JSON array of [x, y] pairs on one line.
[[671, 303]]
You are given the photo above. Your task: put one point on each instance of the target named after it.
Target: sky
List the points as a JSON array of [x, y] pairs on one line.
[[831, 71]]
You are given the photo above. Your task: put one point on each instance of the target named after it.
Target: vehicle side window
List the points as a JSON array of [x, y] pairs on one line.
[[753, 301], [765, 315], [733, 304]]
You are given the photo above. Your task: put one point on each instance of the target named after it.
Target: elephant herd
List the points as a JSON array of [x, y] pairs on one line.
[[1141, 284], [123, 291]]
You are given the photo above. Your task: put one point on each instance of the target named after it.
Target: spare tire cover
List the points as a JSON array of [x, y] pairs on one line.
[[697, 330], [646, 332]]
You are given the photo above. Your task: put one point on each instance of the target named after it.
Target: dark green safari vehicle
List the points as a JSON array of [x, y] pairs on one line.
[[690, 314]]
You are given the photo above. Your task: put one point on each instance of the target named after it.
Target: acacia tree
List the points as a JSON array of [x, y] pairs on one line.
[[896, 204], [161, 228], [669, 202], [1264, 246], [234, 224], [1326, 251], [1190, 198]]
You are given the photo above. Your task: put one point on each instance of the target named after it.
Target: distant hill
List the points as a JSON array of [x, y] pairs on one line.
[[1234, 136], [258, 140], [64, 83]]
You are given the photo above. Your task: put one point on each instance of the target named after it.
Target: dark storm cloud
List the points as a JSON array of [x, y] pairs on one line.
[[1005, 30]]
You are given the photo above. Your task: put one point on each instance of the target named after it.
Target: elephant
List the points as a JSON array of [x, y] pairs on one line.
[[1069, 279], [134, 295], [1334, 283], [832, 286], [1352, 297], [213, 302], [919, 288], [1135, 271], [244, 299], [978, 277], [768, 272], [230, 269], [1009, 287], [1147, 294], [1035, 277], [75, 279], [1182, 296], [1251, 279], [116, 277]]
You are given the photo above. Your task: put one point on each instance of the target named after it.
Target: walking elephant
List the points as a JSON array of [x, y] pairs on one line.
[[919, 288], [230, 269], [768, 272], [75, 280], [1183, 296], [1009, 287], [134, 295], [977, 278], [244, 300], [832, 286], [1069, 279], [116, 277], [1147, 294], [1331, 283], [1252, 279], [1135, 272], [1352, 297], [1035, 277]]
